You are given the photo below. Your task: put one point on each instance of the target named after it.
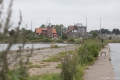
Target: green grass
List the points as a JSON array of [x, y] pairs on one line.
[[46, 76], [56, 76], [59, 66], [57, 57], [30, 63], [52, 59], [80, 71], [35, 66], [28, 55]]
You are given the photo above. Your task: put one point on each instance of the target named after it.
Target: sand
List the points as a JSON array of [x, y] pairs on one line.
[[37, 57]]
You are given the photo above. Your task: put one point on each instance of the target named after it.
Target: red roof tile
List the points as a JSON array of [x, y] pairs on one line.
[[54, 30], [38, 30]]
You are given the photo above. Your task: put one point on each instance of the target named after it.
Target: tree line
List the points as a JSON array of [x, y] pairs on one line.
[[106, 31]]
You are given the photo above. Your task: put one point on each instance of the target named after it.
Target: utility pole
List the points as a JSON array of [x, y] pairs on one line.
[[61, 30], [86, 27], [31, 25], [100, 27]]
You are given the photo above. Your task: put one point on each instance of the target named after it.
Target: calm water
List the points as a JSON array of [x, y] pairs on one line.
[[38, 45], [115, 56]]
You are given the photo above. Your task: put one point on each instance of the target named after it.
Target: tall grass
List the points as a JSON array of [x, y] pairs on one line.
[[73, 66], [6, 59]]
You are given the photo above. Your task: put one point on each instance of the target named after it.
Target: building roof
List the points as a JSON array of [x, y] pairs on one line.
[[70, 29], [71, 26], [38, 30]]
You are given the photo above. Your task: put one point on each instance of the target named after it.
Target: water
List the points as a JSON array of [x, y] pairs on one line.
[[115, 56], [38, 45]]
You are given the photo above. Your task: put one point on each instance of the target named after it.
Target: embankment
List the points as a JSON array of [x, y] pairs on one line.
[[102, 69]]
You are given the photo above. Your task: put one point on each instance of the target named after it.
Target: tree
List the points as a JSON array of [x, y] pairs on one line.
[[104, 31], [12, 33], [42, 26], [64, 37], [116, 31], [60, 29], [94, 34]]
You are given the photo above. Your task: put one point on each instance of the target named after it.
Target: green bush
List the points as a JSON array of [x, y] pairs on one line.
[[46, 40], [90, 58], [88, 51], [60, 41], [64, 37], [72, 40]]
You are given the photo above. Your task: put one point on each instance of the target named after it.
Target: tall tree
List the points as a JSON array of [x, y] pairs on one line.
[[105, 31], [42, 26], [94, 34], [12, 33], [116, 31], [60, 29]]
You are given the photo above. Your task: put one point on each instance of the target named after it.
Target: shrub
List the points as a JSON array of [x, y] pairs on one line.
[[69, 67], [54, 46], [60, 41], [88, 51], [46, 40], [64, 37], [72, 40]]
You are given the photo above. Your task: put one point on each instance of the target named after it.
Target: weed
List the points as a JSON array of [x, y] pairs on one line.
[[28, 55], [46, 76], [30, 63], [59, 66], [109, 59], [54, 46], [35, 66], [42, 62], [52, 59]]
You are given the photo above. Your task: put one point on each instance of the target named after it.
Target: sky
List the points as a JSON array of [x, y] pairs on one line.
[[67, 12]]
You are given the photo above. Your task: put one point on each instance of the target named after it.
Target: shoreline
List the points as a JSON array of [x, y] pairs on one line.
[[37, 57], [102, 69]]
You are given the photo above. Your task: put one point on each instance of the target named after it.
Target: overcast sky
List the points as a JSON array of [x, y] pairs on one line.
[[67, 12]]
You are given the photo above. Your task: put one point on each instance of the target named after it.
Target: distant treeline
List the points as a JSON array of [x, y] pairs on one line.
[[106, 31]]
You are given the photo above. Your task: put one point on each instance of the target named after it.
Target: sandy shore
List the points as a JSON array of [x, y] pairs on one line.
[[38, 55], [102, 69]]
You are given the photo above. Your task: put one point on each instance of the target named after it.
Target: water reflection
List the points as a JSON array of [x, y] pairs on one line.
[[115, 56]]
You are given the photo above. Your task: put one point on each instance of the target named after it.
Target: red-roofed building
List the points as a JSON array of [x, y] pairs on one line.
[[48, 31], [76, 31]]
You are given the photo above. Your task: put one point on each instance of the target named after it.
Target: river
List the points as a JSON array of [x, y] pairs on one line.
[[115, 58], [37, 45]]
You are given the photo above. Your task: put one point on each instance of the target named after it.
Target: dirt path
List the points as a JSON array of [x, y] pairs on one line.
[[102, 68]]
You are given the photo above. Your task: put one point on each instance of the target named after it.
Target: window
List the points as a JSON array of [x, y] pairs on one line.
[[75, 30]]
